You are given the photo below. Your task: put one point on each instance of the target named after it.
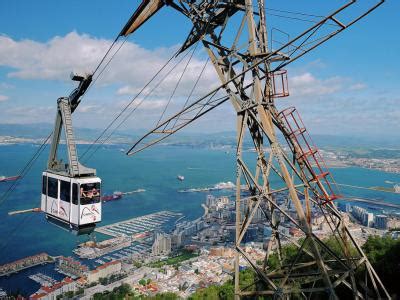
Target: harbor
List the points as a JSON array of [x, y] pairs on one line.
[[42, 279], [140, 225], [129, 238], [25, 263]]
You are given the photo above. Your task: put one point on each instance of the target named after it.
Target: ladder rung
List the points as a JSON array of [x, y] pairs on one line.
[[308, 153], [322, 175], [288, 111], [298, 131]]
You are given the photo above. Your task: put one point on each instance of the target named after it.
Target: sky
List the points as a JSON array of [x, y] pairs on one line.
[[348, 86]]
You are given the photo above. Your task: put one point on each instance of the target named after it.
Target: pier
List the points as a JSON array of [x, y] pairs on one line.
[[139, 225], [373, 202], [43, 280], [25, 263]]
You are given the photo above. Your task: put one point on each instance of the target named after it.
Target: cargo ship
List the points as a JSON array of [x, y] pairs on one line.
[[11, 178], [114, 196]]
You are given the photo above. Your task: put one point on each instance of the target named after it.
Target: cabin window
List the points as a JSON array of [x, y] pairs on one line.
[[90, 193], [52, 187], [75, 195], [65, 191], [44, 185]]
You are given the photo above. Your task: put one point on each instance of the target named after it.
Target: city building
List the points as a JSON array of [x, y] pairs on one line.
[[51, 292], [362, 215], [71, 267], [162, 244], [381, 222], [177, 239], [24, 263], [103, 271]]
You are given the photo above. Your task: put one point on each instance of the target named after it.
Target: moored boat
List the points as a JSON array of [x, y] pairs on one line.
[[11, 178], [114, 196]]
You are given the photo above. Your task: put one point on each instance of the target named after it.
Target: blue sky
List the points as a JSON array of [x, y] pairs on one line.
[[349, 86]]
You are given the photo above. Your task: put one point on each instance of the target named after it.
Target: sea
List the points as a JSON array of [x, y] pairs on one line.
[[154, 170]]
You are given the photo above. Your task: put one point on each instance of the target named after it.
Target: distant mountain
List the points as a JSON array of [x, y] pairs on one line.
[[42, 130], [228, 138]]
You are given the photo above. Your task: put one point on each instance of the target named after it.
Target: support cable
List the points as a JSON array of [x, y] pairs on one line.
[[105, 55], [14, 231], [136, 107], [301, 19], [193, 88], [22, 173], [128, 105], [177, 84], [295, 13]]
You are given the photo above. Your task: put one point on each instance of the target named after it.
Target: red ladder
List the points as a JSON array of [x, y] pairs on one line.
[[306, 152], [279, 84]]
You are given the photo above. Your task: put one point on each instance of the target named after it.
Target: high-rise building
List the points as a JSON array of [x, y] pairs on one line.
[[369, 219], [381, 221], [365, 217], [162, 244]]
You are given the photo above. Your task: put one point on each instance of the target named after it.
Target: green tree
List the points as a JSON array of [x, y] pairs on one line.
[[384, 255], [163, 296]]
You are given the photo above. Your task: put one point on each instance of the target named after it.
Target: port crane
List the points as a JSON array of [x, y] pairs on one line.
[[71, 192], [253, 77]]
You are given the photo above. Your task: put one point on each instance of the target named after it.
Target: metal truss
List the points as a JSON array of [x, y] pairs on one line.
[[286, 181]]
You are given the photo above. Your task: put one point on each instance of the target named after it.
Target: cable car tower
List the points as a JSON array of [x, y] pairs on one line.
[[70, 191], [287, 179]]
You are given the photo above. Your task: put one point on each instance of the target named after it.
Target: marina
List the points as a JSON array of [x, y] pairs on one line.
[[25, 263], [136, 227], [42, 279], [127, 237], [3, 294]]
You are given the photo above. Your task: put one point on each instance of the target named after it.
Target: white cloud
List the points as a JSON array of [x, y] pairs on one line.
[[89, 109], [54, 59], [155, 104], [358, 86], [132, 67], [6, 86], [28, 114], [307, 84]]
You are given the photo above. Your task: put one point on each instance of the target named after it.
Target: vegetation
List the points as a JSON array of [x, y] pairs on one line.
[[71, 294], [383, 253], [122, 292], [223, 292], [161, 296], [111, 279], [137, 264], [173, 260]]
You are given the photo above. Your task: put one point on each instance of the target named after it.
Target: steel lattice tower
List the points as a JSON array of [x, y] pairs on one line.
[[286, 164]]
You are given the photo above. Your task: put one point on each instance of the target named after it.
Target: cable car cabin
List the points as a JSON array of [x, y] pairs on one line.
[[72, 203]]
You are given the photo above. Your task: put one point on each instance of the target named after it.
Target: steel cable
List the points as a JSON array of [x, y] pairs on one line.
[[128, 105], [135, 108]]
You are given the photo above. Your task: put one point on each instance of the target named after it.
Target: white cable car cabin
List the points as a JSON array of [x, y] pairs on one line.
[[72, 203], [71, 193]]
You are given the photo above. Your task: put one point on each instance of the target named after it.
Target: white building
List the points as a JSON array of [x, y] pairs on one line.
[[381, 221], [162, 244], [365, 217], [51, 293], [103, 271]]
